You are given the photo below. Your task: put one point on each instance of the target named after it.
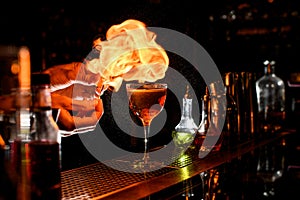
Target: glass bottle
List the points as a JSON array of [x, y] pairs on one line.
[[215, 108], [270, 91], [187, 123], [22, 118], [230, 129], [23, 96], [186, 129], [204, 123], [44, 147], [20, 136], [184, 138], [19, 140]]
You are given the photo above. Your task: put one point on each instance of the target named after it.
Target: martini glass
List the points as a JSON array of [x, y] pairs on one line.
[[146, 101]]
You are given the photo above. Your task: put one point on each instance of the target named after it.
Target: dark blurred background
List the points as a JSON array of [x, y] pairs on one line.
[[239, 35]]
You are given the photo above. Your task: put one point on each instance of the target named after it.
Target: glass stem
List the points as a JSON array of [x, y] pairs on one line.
[[146, 136]]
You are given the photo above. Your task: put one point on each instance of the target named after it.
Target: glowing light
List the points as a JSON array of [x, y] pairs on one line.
[[15, 68]]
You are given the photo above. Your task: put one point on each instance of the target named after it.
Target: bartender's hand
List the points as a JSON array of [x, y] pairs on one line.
[[76, 92]]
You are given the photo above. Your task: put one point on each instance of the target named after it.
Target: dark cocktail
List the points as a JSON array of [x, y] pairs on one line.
[[146, 101]]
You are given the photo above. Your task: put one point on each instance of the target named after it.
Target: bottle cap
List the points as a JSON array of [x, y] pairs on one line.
[[40, 79]]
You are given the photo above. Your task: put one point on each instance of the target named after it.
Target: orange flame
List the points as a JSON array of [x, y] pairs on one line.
[[130, 53]]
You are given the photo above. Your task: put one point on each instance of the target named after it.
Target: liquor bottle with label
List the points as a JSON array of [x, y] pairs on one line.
[[23, 97], [20, 135], [44, 147], [270, 91]]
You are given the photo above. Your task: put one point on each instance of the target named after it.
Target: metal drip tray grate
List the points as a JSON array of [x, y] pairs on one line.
[[98, 179]]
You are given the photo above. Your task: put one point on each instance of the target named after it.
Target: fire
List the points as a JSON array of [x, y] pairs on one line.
[[129, 53]]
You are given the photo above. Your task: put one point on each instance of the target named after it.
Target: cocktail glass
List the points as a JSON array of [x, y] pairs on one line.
[[146, 101]]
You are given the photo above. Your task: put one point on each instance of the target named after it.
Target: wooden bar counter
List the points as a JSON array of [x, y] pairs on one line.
[[99, 181]]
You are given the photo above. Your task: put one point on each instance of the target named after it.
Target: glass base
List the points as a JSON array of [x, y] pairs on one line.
[[150, 165]]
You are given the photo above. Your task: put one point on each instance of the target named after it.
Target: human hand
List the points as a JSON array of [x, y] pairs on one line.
[[76, 92], [130, 53]]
